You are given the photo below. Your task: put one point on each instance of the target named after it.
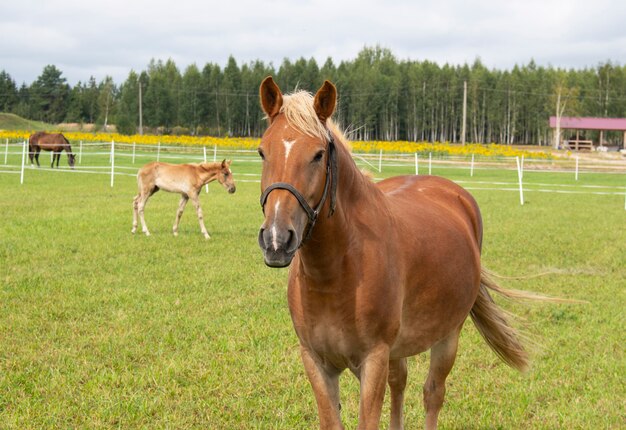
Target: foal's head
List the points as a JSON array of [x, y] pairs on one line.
[[225, 176], [295, 150], [71, 160]]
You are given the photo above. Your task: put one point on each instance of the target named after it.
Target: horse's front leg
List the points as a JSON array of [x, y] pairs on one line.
[[179, 213], [196, 203], [373, 375], [325, 383], [397, 384]]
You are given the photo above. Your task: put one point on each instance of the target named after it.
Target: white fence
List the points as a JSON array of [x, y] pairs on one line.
[[125, 159]]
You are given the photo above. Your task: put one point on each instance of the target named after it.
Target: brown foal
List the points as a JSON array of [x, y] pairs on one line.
[[185, 179], [379, 272]]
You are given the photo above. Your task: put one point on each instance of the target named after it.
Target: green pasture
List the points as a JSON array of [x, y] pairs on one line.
[[102, 329]]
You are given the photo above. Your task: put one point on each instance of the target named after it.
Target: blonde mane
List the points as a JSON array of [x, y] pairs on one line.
[[300, 113]]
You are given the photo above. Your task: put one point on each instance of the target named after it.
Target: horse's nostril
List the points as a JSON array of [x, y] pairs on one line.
[[292, 241], [261, 239]]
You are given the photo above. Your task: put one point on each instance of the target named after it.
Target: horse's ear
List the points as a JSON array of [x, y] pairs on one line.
[[325, 101], [271, 97], [224, 163]]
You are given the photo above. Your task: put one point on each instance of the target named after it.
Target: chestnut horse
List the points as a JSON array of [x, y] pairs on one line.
[[186, 179], [379, 272], [54, 142]]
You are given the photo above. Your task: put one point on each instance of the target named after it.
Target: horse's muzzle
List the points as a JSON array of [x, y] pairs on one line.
[[231, 190], [278, 246]]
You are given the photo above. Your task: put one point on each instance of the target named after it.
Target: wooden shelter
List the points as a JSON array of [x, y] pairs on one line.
[[588, 123]]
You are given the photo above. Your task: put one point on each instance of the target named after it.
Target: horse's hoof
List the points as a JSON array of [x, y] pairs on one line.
[[176, 234], [133, 231], [207, 237]]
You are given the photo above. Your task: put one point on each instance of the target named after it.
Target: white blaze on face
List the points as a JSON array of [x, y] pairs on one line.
[[273, 230], [288, 145]]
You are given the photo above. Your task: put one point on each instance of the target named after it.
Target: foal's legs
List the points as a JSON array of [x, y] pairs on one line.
[[135, 210], [397, 384], [139, 203], [442, 356], [325, 384], [181, 207], [196, 203], [37, 151]]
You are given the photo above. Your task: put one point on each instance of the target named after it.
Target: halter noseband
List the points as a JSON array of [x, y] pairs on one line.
[[329, 185]]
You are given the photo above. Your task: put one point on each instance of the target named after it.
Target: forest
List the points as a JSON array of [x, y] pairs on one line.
[[381, 97]]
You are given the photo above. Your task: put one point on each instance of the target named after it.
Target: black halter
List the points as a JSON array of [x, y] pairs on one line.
[[329, 186]]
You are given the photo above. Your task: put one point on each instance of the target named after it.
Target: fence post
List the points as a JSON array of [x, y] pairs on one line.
[[380, 161], [215, 153], [430, 163], [576, 174], [519, 177], [80, 153], [6, 151], [23, 162], [159, 151], [472, 167], [417, 164], [112, 162], [133, 152], [206, 187]]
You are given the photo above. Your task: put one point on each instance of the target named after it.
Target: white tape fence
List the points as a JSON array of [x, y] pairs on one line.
[[115, 159]]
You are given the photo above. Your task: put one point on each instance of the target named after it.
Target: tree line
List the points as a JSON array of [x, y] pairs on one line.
[[381, 98]]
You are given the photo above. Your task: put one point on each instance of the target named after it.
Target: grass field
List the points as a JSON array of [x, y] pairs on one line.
[[102, 329]]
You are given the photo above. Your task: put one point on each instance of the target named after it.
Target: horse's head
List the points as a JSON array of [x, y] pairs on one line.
[[297, 150], [71, 160], [225, 177]]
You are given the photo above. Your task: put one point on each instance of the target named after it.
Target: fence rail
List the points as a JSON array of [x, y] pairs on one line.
[[124, 159]]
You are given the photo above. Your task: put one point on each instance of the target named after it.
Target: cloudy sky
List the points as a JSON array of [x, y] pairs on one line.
[[86, 38]]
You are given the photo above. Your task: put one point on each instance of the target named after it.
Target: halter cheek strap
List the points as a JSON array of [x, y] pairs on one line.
[[330, 185]]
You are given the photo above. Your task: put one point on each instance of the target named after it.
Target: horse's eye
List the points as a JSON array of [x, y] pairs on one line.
[[226, 174], [318, 156], [261, 154]]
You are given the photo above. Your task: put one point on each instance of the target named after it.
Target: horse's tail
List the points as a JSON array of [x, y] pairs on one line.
[[492, 323]]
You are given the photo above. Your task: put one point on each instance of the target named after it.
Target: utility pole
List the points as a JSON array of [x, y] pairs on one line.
[[140, 113], [464, 112]]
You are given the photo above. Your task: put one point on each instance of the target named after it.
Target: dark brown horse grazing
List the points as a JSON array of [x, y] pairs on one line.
[[379, 272], [54, 142]]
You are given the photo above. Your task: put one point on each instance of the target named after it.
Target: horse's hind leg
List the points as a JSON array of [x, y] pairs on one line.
[[37, 157], [141, 204], [135, 210], [397, 384], [442, 356], [196, 203], [181, 207]]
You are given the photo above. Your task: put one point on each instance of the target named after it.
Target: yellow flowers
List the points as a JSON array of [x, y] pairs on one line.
[[437, 148], [446, 149]]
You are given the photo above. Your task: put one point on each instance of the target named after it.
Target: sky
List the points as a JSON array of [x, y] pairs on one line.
[[85, 38]]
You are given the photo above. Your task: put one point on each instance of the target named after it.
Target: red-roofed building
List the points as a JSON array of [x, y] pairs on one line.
[[587, 123]]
